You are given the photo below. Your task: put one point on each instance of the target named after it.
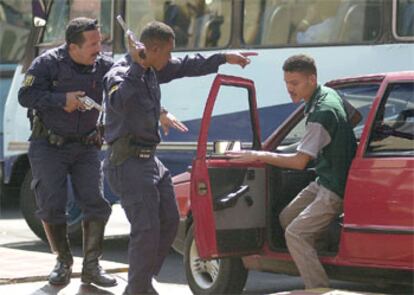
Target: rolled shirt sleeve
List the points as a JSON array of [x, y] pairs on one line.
[[315, 139]]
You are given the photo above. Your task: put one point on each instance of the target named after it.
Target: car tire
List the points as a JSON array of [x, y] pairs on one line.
[[28, 207], [219, 276]]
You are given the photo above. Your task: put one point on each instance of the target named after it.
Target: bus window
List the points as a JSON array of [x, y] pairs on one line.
[[196, 23], [279, 22], [405, 18], [61, 13], [15, 23]]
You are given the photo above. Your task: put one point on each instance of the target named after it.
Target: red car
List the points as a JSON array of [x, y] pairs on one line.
[[229, 211]]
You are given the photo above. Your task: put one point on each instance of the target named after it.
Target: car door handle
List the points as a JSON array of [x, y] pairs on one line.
[[230, 199]]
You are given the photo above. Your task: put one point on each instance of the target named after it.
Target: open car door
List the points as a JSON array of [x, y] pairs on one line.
[[228, 199]]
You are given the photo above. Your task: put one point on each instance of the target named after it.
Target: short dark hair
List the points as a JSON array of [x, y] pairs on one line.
[[300, 63], [156, 31], [77, 26]]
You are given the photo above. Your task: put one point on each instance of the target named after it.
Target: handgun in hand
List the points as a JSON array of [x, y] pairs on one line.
[[131, 36], [89, 103]]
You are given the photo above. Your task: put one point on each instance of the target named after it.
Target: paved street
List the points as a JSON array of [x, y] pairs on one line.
[[26, 262]]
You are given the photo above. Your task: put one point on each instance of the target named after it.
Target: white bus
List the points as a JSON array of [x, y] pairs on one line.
[[346, 37]]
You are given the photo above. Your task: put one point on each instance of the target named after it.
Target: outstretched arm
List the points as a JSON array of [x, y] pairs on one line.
[[200, 65], [298, 160]]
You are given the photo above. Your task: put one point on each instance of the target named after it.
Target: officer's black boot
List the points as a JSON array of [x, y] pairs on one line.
[[59, 244], [92, 272]]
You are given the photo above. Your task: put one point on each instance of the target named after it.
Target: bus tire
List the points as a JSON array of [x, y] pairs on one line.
[[28, 207], [221, 276]]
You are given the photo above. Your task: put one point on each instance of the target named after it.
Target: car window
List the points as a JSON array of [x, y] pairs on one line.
[[295, 134], [236, 125], [393, 129], [360, 96]]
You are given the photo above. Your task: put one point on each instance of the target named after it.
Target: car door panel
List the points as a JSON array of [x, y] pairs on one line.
[[240, 227], [379, 220], [222, 227]]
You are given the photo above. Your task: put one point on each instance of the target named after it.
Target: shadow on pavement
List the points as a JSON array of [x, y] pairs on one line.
[[81, 290], [48, 289], [172, 271]]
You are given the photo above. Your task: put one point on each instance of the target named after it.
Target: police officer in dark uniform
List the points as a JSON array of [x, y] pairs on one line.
[[131, 128], [65, 141]]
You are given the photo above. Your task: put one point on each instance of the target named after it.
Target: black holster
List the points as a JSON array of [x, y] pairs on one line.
[[126, 147]]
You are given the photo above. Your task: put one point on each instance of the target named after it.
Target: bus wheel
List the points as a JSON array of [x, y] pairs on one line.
[[218, 276], [28, 207]]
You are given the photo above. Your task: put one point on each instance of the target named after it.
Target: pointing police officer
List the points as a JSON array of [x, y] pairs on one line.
[[65, 142], [131, 128]]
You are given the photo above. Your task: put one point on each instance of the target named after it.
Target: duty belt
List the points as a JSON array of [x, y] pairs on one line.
[[126, 147], [40, 131], [59, 140]]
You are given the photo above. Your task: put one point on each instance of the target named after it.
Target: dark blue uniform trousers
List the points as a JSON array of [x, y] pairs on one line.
[[147, 196], [51, 166]]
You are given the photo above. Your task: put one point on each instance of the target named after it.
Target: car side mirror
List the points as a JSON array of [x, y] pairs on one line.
[[222, 146]]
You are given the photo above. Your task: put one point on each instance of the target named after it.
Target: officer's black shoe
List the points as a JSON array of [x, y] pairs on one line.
[[92, 272], [60, 275], [59, 244], [97, 276]]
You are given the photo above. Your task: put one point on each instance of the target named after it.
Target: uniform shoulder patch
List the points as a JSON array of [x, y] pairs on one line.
[[113, 89], [28, 80]]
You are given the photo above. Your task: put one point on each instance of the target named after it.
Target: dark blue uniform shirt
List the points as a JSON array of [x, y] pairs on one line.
[[50, 76], [133, 95]]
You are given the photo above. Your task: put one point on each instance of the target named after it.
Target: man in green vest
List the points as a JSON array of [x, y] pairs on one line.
[[330, 141]]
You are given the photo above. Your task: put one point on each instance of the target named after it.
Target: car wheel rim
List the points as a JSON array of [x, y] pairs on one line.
[[205, 272]]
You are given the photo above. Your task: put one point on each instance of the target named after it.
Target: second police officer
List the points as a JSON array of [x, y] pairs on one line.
[[142, 182]]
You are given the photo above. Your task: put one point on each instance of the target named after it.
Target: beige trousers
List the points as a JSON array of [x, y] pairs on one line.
[[304, 219]]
